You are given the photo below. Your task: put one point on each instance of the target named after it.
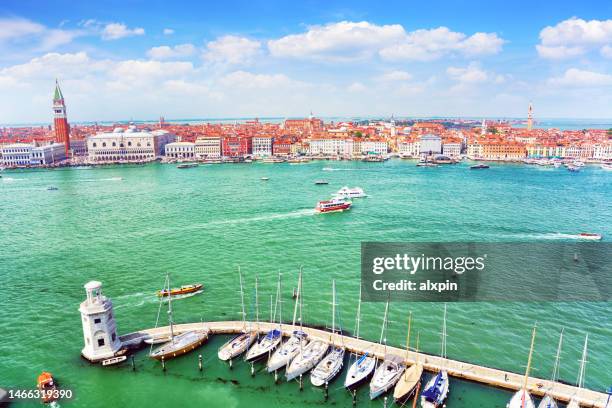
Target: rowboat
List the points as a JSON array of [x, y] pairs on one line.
[[114, 360], [183, 290]]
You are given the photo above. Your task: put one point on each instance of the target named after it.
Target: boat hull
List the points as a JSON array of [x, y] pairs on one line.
[[286, 352], [180, 291], [328, 368], [548, 402], [263, 348], [385, 377], [177, 347], [236, 346], [406, 385], [521, 399], [359, 372], [307, 359]]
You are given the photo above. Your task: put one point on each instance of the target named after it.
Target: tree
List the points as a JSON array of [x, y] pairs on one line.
[[494, 131], [610, 131], [358, 134]]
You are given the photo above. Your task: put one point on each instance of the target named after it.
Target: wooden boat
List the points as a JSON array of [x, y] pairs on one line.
[[406, 385], [363, 366], [183, 343], [47, 387], [183, 290], [331, 365], [114, 360], [435, 392], [180, 344], [297, 342], [239, 344], [522, 398]]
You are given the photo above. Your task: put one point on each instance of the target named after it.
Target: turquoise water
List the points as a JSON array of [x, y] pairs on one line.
[[128, 226]]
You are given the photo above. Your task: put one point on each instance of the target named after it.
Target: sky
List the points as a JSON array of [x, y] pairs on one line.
[[120, 60]]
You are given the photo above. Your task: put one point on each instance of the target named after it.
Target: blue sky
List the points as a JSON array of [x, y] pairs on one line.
[[136, 59]]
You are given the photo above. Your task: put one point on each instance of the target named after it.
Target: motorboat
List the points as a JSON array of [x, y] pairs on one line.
[[435, 391], [479, 167], [386, 375], [265, 346], [47, 387], [590, 236], [328, 368], [355, 192], [306, 359], [606, 166], [187, 165], [180, 344], [573, 168], [265, 178], [287, 351], [52, 188], [578, 163], [183, 290], [321, 182], [333, 205]]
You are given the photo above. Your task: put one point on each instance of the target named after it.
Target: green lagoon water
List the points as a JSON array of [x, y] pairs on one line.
[[128, 226]]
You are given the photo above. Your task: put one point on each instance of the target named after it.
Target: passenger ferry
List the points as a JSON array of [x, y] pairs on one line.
[[333, 205]]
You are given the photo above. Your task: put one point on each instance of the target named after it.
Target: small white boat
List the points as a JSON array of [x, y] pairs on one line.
[[355, 192], [578, 163], [113, 360], [573, 168], [265, 178], [521, 399], [328, 368], [360, 371], [287, 351], [265, 346], [306, 359], [386, 375], [606, 166], [590, 236], [548, 402]]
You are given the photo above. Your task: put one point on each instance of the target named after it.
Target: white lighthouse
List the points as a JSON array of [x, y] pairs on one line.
[[99, 328]]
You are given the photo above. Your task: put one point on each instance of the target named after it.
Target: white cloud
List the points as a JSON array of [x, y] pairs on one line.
[[167, 52], [574, 37], [244, 79], [395, 76], [356, 87], [470, 74], [168, 31], [428, 45], [15, 28], [231, 49], [52, 65], [337, 41], [606, 51], [575, 77], [115, 31]]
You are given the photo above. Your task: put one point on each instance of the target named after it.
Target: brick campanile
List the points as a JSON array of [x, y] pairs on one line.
[[60, 121]]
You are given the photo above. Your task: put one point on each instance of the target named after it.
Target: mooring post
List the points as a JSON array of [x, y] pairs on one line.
[[200, 362], [133, 363], [385, 402], [301, 384], [326, 391], [163, 363], [275, 376], [354, 398], [252, 370], [230, 363]]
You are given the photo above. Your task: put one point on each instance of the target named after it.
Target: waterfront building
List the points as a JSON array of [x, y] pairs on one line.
[[331, 147], [180, 150], [503, 150], [128, 144], [99, 327], [451, 149], [262, 146], [78, 147], [378, 147], [60, 119], [26, 154], [410, 147], [602, 151], [431, 144], [236, 146], [474, 150], [281, 147], [545, 150], [208, 147]]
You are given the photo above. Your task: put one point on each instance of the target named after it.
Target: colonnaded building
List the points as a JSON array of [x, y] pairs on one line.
[[129, 144]]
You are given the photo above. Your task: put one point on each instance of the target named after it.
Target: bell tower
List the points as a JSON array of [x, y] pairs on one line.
[[99, 328], [60, 120]]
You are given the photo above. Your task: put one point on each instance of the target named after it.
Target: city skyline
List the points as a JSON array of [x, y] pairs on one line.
[[351, 59]]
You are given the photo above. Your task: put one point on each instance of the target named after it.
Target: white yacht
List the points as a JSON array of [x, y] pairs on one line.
[[363, 366], [306, 359], [522, 398], [355, 192], [436, 390], [386, 375], [272, 339]]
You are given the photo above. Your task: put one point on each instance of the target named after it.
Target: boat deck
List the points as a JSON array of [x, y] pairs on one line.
[[459, 369]]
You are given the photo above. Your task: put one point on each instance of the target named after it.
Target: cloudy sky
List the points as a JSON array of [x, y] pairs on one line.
[[140, 60]]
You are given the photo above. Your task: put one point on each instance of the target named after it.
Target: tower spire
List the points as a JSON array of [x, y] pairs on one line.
[[530, 117], [60, 120]]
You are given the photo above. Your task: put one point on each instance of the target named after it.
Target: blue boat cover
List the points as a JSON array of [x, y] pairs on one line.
[[434, 392]]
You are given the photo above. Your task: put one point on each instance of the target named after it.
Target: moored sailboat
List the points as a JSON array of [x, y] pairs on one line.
[[239, 344], [522, 398], [363, 366], [574, 402], [331, 365], [548, 401], [436, 390], [298, 340], [406, 385]]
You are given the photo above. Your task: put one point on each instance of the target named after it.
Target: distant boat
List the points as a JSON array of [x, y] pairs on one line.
[[187, 165], [479, 166], [333, 205], [606, 166], [183, 290], [265, 178], [47, 386], [573, 168], [522, 398], [52, 188], [355, 192], [590, 236], [321, 182], [113, 360], [426, 164], [578, 163]]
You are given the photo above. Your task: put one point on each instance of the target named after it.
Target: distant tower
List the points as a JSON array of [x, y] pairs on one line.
[[99, 328], [530, 117], [483, 127], [162, 122], [60, 120]]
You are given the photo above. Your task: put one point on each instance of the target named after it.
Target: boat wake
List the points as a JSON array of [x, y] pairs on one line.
[[339, 169], [102, 179], [548, 236]]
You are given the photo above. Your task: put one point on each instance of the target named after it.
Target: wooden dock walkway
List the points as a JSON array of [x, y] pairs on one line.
[[458, 369]]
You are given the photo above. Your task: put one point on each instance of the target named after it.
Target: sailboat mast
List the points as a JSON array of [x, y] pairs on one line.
[[555, 374], [384, 325], [301, 300], [333, 306], [242, 298], [533, 334], [297, 296], [256, 302], [170, 307], [583, 362], [358, 318], [280, 302], [408, 335], [443, 347]]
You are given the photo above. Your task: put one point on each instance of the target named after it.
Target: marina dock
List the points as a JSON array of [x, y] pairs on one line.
[[458, 369]]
